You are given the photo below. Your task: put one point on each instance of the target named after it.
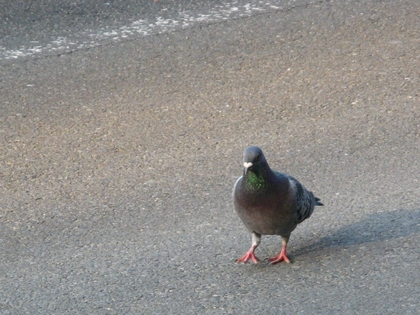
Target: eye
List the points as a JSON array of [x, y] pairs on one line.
[[257, 158]]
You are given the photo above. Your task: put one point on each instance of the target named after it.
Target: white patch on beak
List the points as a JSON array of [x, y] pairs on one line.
[[247, 164]]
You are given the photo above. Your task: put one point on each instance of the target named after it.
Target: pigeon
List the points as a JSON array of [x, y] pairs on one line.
[[269, 202]]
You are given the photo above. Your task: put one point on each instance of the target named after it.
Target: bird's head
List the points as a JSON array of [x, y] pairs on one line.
[[254, 160]]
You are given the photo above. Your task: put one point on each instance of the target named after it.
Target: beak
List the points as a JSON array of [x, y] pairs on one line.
[[247, 165]]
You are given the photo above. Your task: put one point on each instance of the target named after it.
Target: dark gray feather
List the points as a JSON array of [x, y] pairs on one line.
[[269, 202], [277, 204]]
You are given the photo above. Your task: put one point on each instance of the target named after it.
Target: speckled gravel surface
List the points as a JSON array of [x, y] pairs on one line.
[[117, 164]]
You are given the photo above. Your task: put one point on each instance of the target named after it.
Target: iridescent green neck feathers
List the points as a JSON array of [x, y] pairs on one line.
[[255, 181]]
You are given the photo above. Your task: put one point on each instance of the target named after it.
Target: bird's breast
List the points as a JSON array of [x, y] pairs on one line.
[[266, 212]]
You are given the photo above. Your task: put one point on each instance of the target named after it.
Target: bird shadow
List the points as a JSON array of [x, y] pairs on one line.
[[377, 227]]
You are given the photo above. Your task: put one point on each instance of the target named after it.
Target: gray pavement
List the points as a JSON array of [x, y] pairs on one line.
[[118, 161]]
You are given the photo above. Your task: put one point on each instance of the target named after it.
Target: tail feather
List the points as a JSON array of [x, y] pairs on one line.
[[318, 202]]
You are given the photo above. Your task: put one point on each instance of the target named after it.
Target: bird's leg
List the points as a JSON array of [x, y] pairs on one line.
[[256, 239], [282, 256]]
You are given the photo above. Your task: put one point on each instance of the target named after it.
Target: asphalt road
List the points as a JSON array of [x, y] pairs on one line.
[[118, 158]]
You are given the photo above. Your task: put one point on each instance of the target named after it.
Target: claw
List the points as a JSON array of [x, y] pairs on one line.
[[249, 256], [256, 239], [280, 257]]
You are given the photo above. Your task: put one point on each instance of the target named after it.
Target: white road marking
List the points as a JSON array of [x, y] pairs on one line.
[[91, 38]]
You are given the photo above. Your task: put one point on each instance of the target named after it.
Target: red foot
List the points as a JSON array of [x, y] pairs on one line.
[[249, 255], [282, 256]]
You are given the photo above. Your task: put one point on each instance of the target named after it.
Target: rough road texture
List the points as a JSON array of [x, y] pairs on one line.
[[117, 164]]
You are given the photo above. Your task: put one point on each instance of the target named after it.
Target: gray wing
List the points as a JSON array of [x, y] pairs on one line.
[[305, 200]]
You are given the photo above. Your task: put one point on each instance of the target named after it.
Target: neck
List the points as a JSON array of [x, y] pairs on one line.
[[257, 180]]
